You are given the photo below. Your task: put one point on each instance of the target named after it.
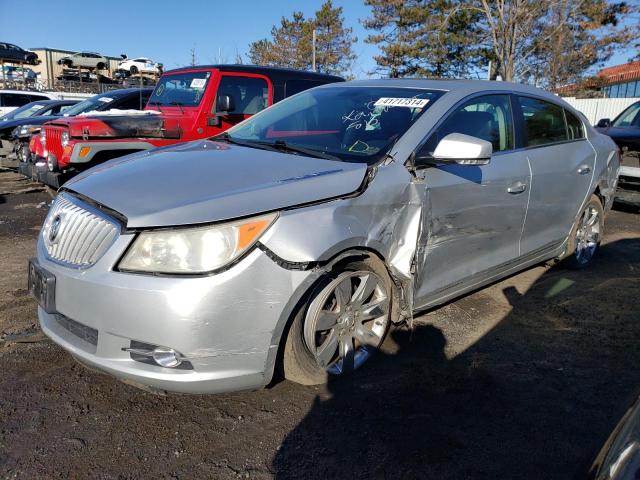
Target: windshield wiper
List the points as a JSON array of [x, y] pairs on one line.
[[178, 104], [244, 143], [283, 146], [157, 104]]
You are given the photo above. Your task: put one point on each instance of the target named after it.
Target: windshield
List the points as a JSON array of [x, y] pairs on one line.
[[25, 111], [98, 102], [357, 124], [180, 89], [629, 118]]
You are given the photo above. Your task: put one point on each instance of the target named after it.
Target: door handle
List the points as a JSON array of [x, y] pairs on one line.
[[584, 170], [517, 187]]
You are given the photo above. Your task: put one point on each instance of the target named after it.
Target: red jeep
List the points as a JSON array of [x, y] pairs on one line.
[[187, 104]]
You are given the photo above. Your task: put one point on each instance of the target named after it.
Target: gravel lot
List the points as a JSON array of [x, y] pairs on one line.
[[523, 379]]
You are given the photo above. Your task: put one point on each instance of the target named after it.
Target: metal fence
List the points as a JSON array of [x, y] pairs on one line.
[[598, 108]]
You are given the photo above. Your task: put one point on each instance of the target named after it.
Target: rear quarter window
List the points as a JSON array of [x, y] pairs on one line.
[[544, 122], [575, 129]]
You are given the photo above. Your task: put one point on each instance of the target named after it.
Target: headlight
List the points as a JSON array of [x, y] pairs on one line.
[[24, 130], [194, 250], [64, 139], [43, 138]]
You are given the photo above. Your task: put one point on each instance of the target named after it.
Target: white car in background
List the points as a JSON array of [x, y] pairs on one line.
[[86, 60], [139, 65]]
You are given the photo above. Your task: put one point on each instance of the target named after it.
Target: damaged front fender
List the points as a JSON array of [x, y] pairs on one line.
[[386, 218]]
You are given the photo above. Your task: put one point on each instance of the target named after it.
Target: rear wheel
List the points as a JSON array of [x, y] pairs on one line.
[[585, 237], [133, 70], [100, 66], [342, 324]]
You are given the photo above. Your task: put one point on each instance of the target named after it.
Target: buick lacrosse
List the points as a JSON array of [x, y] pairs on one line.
[[292, 242]]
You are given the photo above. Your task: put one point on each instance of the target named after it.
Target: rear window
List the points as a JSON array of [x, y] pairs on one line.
[[180, 89], [544, 122], [574, 126]]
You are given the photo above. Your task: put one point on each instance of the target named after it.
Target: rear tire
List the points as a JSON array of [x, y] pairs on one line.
[[586, 235], [100, 66], [342, 323], [133, 70]]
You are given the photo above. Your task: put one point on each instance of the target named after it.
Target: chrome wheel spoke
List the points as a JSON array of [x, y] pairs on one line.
[[343, 293], [366, 336], [372, 310], [326, 320], [368, 284], [591, 221], [347, 354], [327, 350]]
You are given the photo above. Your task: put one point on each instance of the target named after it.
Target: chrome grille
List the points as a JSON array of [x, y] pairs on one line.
[[77, 234]]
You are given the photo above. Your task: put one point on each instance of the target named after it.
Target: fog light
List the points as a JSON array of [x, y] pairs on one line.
[[166, 357], [52, 163]]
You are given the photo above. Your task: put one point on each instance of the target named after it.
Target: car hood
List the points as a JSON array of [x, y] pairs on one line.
[[27, 121], [207, 181]]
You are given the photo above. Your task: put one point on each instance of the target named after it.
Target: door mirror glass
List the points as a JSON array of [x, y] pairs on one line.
[[225, 104], [460, 149], [604, 123]]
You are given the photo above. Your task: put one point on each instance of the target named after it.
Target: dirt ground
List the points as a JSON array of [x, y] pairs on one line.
[[523, 379]]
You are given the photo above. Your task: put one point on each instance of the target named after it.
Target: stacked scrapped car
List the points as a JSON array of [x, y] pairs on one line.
[[187, 104]]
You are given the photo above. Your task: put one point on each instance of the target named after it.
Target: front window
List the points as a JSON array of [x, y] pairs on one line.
[[249, 95], [180, 89], [629, 118], [357, 124]]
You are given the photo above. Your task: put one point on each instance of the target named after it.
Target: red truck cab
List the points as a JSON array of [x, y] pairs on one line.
[[187, 104]]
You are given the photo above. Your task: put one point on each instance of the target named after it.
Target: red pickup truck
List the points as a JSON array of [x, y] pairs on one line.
[[187, 104]]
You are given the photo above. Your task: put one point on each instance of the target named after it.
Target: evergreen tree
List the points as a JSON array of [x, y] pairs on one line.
[[290, 44]]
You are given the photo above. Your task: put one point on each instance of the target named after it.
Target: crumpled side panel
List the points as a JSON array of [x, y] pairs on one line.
[[386, 217]]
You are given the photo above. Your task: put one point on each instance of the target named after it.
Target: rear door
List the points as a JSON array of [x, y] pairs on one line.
[[249, 93], [474, 214], [562, 163]]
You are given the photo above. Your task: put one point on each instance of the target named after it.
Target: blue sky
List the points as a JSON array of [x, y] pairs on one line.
[[167, 30]]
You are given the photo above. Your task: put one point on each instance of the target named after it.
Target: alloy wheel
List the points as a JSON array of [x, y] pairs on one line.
[[587, 235], [347, 321]]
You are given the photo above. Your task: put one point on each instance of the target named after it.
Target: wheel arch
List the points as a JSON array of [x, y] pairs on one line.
[[306, 288]]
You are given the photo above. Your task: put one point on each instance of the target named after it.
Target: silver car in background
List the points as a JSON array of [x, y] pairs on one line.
[[292, 242]]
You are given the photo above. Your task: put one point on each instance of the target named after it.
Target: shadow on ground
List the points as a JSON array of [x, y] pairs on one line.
[[534, 398]]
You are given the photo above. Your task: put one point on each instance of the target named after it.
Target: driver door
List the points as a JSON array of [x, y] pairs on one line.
[[474, 215], [249, 94]]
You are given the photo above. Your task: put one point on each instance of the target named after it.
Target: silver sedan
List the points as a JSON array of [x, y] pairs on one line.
[[295, 240]]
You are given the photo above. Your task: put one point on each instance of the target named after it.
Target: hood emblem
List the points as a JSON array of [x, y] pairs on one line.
[[55, 228]]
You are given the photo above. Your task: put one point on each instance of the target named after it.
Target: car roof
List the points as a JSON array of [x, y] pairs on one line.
[[126, 91], [267, 71], [26, 92], [449, 85]]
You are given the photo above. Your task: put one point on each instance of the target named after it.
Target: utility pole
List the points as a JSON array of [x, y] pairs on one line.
[[313, 58], [193, 56]]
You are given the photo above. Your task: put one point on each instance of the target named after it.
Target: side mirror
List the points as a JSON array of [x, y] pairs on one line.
[[604, 123], [225, 104], [457, 148]]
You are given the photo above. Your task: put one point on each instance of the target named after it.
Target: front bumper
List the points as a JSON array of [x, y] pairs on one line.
[[227, 325]]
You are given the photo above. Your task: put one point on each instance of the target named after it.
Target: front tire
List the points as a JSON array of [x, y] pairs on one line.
[[133, 70], [341, 325], [586, 235]]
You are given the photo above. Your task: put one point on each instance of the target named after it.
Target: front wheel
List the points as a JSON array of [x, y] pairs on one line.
[[586, 234], [342, 324]]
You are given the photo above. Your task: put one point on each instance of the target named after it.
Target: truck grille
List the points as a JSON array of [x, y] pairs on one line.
[[76, 234], [54, 140]]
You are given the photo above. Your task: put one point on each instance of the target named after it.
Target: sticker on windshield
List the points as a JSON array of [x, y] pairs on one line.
[[401, 102], [198, 83], [105, 99]]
